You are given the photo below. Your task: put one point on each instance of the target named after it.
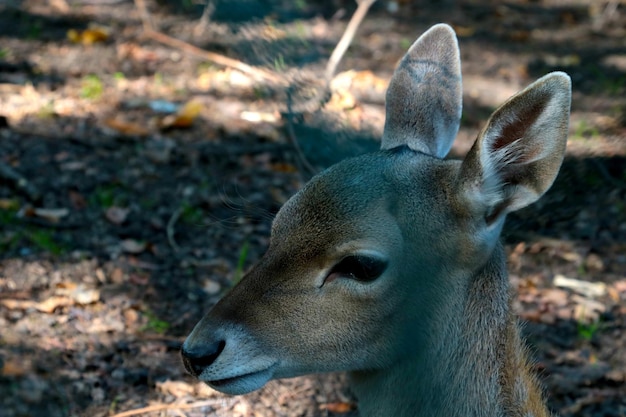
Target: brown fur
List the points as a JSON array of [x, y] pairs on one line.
[[432, 333]]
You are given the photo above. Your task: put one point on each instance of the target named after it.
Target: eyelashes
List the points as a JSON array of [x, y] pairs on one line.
[[362, 268]]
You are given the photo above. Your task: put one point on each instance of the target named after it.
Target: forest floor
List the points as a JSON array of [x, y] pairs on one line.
[[138, 181]]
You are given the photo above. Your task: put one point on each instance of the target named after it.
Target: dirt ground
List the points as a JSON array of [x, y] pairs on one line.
[[138, 180]]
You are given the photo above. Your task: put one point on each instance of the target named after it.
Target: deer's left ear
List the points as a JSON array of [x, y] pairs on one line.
[[518, 154], [425, 95]]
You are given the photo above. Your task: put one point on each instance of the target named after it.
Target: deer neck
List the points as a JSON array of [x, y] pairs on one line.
[[461, 370]]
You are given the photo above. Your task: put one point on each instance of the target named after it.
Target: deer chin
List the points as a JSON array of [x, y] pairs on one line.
[[242, 384]]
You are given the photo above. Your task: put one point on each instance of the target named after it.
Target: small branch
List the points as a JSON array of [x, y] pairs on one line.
[[203, 22], [194, 50], [346, 39], [144, 14], [19, 182], [162, 407], [215, 58], [170, 230], [294, 140], [607, 15]]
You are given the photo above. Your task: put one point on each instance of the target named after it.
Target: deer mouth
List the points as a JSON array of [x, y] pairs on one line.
[[242, 384]]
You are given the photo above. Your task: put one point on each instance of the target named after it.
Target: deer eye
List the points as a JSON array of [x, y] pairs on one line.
[[358, 267]]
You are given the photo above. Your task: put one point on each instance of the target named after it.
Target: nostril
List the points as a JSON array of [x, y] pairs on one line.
[[198, 358]]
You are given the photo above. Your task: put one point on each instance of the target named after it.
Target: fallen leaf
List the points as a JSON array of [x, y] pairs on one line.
[[73, 166], [257, 117], [79, 293], [184, 117], [125, 127], [116, 215], [9, 204], [586, 310], [52, 303], [13, 368], [117, 276], [176, 388], [620, 286], [13, 304], [341, 100], [464, 31], [211, 287], [52, 215], [78, 201], [284, 167], [555, 296], [338, 407], [88, 36], [588, 289], [139, 279], [131, 316], [133, 246]]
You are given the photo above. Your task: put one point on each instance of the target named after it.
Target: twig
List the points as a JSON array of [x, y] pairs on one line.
[[215, 58], [294, 141], [19, 182], [194, 50], [144, 14], [607, 15], [331, 67], [161, 407], [346, 39], [170, 229], [203, 22]]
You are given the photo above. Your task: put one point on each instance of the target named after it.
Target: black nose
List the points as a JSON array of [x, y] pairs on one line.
[[197, 358]]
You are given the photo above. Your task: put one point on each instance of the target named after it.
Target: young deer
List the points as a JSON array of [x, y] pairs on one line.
[[389, 266]]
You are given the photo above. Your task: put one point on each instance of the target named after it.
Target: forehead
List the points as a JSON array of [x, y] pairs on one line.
[[335, 203]]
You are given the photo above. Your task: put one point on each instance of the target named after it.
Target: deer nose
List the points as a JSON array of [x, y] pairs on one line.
[[197, 358]]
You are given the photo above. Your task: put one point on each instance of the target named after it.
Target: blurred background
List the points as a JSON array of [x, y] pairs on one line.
[[145, 146]]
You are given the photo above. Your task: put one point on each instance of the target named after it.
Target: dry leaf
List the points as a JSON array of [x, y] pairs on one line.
[[52, 303], [13, 368], [338, 407], [117, 276], [258, 117], [284, 167], [211, 287], [116, 215], [9, 204], [464, 31], [12, 304], [82, 295], [125, 127], [88, 36], [131, 316], [183, 117], [77, 199], [341, 100], [51, 215], [133, 246], [176, 388], [588, 289], [139, 279]]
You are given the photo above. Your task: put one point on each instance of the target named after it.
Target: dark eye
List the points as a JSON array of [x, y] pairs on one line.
[[358, 267]]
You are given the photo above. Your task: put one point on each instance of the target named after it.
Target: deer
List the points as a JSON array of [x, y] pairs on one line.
[[388, 266]]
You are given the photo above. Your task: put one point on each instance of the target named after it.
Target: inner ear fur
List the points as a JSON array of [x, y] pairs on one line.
[[518, 154], [424, 97]]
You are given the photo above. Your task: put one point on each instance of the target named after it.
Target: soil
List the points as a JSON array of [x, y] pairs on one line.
[[138, 183]]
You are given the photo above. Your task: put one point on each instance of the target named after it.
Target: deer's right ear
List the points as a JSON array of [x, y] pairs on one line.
[[425, 95]]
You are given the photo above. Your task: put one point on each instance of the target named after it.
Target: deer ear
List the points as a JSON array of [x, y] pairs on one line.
[[425, 95], [518, 154]]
